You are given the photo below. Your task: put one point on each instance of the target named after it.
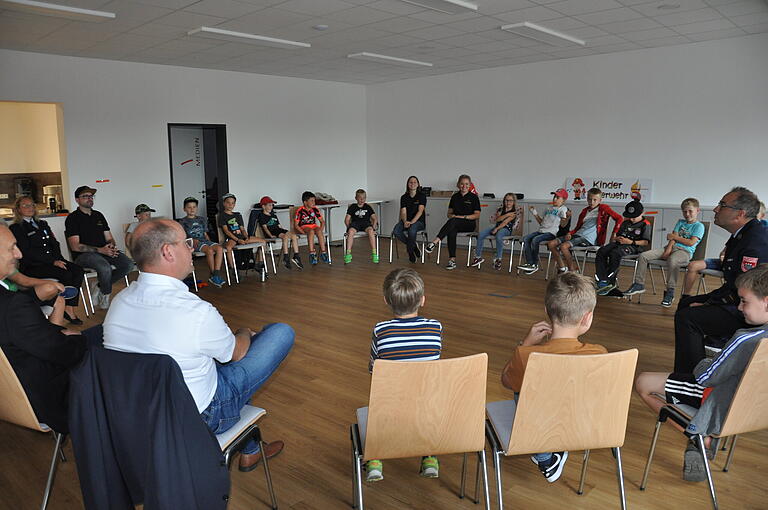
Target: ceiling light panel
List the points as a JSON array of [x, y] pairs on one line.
[[444, 6], [56, 10], [242, 37], [543, 34], [386, 59]]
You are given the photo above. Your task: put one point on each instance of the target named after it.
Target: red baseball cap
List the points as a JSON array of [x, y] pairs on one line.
[[561, 192], [266, 200]]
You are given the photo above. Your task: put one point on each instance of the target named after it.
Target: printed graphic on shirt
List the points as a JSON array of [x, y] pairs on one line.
[[306, 216]]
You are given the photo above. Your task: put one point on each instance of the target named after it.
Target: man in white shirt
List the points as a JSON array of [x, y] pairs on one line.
[[158, 315]]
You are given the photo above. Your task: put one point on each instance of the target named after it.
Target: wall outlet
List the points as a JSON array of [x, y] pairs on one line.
[[3, 195]]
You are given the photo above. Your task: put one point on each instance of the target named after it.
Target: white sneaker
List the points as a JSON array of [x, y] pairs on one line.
[[95, 295], [103, 301]]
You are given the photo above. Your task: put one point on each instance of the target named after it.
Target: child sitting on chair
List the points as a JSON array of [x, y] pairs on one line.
[[713, 383], [310, 222], [407, 337], [570, 304], [360, 217], [554, 218], [196, 228], [235, 233], [633, 237], [270, 226], [506, 219]]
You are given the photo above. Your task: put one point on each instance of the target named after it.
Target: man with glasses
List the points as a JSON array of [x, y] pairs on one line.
[[715, 314], [158, 315], [93, 246]]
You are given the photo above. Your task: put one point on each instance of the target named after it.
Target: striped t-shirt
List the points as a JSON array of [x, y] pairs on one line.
[[414, 339]]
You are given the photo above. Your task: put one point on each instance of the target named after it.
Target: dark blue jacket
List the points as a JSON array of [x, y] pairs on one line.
[[138, 437]]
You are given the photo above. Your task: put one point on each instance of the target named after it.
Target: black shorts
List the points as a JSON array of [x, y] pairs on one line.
[[277, 231], [360, 226], [683, 389]]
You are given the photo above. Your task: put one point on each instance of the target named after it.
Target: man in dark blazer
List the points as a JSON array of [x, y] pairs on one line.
[[40, 353]]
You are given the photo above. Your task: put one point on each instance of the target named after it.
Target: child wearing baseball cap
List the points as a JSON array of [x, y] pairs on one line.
[[633, 237], [270, 227], [554, 218]]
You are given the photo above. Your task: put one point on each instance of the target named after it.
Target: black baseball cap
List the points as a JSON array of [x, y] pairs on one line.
[[83, 189], [142, 208], [633, 209], [190, 199], [228, 195]]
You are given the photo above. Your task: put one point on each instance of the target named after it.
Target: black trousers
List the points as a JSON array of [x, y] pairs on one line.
[[71, 276], [693, 323], [452, 227], [608, 259]]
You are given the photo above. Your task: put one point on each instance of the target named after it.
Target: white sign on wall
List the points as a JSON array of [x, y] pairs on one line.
[[615, 189]]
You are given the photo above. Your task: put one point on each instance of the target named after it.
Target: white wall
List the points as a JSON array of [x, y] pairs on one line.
[[284, 135], [668, 114]]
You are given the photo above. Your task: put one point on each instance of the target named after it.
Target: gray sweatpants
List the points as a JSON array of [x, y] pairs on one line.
[[678, 257]]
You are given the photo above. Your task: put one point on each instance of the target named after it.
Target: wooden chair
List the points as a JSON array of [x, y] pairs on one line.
[[567, 402], [748, 413], [15, 408], [422, 408]]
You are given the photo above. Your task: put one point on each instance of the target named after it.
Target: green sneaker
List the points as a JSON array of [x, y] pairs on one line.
[[375, 257], [348, 257], [374, 470], [430, 468]]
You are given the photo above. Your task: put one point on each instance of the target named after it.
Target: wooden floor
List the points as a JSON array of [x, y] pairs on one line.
[[312, 398]]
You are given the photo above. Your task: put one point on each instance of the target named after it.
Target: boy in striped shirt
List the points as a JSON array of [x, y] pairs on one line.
[[407, 337]]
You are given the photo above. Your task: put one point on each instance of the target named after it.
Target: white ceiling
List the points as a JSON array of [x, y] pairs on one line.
[[154, 31]]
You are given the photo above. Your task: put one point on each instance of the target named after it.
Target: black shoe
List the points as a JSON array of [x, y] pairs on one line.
[[297, 261], [412, 257], [429, 248], [553, 468], [417, 252], [286, 261], [75, 321]]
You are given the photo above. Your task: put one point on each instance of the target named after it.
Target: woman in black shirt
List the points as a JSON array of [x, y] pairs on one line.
[[412, 216], [463, 213], [41, 253]]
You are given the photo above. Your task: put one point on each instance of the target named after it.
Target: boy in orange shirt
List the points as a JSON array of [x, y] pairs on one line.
[[570, 303]]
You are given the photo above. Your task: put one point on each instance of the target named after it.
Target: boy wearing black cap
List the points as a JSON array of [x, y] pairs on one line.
[[142, 213], [633, 237]]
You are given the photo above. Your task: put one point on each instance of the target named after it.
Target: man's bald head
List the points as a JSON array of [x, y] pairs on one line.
[[150, 237], [9, 252]]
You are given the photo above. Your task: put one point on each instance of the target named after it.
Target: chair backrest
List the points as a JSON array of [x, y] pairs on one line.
[[519, 222], [573, 402], [749, 407], [14, 406], [701, 248], [426, 407]]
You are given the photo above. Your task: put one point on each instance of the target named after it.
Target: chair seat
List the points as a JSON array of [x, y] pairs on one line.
[[501, 414], [248, 416], [248, 246], [362, 424]]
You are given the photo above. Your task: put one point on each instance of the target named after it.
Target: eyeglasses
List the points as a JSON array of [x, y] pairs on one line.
[[27, 206], [723, 205], [188, 241], [85, 196]]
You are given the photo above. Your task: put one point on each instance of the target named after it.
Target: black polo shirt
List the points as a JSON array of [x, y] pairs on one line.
[[412, 203], [464, 205], [90, 228]]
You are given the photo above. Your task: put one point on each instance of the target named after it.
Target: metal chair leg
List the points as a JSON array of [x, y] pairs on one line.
[[620, 475], [52, 471], [272, 257], [644, 481], [391, 242], [476, 499], [463, 476], [549, 263], [730, 454], [469, 250], [703, 452], [226, 266], [354, 477], [583, 473], [267, 474], [439, 249], [194, 276], [511, 254], [481, 460]]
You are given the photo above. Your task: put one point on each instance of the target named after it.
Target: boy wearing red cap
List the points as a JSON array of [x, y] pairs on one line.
[[554, 218], [270, 226]]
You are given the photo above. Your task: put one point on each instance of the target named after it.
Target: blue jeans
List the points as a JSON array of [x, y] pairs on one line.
[[238, 380], [401, 232], [531, 244], [500, 235], [103, 266]]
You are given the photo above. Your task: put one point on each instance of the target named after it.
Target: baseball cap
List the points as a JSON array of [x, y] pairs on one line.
[[141, 208], [228, 195], [560, 192], [190, 199], [633, 209], [266, 200], [84, 189]]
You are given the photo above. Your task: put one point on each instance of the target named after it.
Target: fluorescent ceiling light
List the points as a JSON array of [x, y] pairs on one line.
[[543, 34], [375, 57], [59, 11], [261, 40], [445, 6]]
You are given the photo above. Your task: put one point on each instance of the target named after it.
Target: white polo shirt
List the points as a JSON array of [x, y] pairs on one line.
[[158, 315]]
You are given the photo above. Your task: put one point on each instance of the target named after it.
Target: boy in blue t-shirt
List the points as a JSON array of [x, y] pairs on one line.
[[681, 245], [407, 337]]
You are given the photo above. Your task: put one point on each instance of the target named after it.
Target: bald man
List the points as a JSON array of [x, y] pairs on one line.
[[158, 315], [40, 353]]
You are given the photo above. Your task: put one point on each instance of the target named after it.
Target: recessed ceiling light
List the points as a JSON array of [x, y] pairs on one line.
[[668, 6], [320, 27], [445, 6], [375, 57], [58, 11], [543, 34], [261, 40]]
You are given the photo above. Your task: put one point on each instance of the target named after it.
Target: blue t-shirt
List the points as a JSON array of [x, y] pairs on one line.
[[196, 227], [687, 231]]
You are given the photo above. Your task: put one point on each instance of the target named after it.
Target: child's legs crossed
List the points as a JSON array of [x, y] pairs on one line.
[[678, 258]]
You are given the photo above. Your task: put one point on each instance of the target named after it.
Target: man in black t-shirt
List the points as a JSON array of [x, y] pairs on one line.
[[93, 246]]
